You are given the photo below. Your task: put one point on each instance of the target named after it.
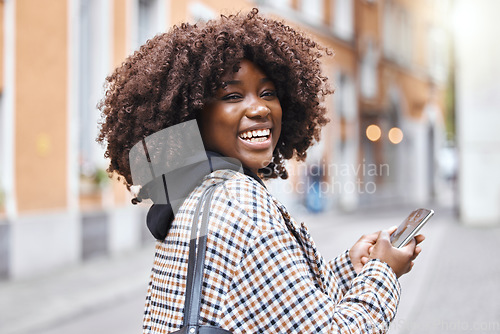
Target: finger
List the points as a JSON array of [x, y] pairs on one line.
[[372, 238], [370, 249], [364, 260], [410, 247], [392, 229], [383, 235], [419, 238], [417, 251], [376, 234]]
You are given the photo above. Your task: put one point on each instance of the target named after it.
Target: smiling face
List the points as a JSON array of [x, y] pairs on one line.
[[244, 119]]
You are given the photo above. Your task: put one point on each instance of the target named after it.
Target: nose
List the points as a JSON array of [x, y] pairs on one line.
[[257, 110]]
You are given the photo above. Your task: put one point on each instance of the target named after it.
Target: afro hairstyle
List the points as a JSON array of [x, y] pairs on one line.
[[174, 74]]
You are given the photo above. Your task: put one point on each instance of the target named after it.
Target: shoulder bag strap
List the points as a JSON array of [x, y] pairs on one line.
[[196, 261]]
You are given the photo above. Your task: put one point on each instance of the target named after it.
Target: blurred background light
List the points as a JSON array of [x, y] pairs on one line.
[[373, 132], [395, 135]]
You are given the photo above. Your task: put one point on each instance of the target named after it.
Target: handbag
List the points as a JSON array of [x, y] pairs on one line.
[[192, 303]]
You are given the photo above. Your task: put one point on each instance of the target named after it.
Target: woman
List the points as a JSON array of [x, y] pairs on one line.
[[254, 86]]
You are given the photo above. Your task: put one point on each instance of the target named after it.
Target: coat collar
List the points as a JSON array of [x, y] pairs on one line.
[[169, 191]]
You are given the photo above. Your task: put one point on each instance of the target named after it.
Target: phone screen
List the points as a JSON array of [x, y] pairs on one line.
[[410, 226]]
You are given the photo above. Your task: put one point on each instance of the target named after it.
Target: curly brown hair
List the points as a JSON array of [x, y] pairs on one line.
[[171, 77]]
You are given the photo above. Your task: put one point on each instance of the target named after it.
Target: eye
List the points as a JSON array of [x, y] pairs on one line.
[[231, 97], [269, 93]]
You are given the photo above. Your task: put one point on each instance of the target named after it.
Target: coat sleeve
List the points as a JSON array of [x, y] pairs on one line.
[[341, 267], [273, 291]]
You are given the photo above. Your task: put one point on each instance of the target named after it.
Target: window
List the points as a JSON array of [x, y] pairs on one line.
[[312, 11], [437, 53], [345, 97], [405, 37], [7, 114], [347, 140], [368, 71], [280, 3], [3, 142], [343, 23], [145, 27], [150, 19], [389, 29], [93, 66], [397, 33], [345, 106]]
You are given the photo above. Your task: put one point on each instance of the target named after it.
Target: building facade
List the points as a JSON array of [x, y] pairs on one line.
[[56, 205], [390, 73], [478, 111]]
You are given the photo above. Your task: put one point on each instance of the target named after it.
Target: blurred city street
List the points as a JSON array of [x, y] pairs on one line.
[[452, 288], [413, 120]]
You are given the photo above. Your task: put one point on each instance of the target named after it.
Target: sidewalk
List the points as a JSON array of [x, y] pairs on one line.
[[32, 305], [453, 287], [455, 283]]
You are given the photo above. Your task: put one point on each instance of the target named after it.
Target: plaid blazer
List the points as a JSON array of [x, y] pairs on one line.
[[263, 273]]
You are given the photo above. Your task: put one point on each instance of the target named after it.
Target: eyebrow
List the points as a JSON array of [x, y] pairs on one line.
[[239, 82]]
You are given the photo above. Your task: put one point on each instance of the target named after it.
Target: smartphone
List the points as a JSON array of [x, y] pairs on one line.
[[410, 227]]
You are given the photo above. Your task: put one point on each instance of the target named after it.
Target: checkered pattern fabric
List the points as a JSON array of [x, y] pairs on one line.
[[263, 273]]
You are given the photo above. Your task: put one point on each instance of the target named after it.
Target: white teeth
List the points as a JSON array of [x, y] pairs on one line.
[[255, 133], [257, 140]]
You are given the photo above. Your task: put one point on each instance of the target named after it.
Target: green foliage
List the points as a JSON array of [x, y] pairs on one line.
[[101, 177], [450, 109], [95, 181]]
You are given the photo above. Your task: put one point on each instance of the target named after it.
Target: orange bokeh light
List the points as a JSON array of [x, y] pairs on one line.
[[395, 135], [373, 132]]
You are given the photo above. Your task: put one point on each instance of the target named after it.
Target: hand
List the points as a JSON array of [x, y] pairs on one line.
[[360, 251], [399, 259]]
